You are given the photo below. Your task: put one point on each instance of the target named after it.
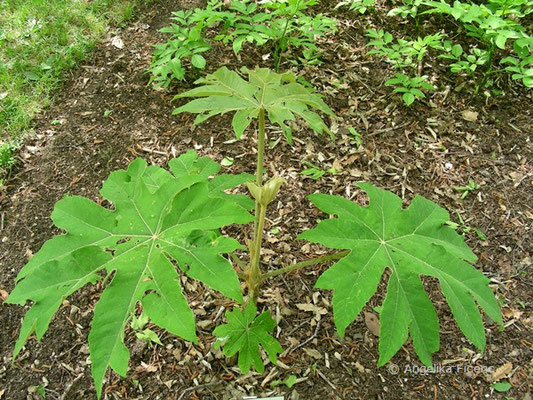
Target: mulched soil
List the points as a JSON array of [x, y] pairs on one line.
[[427, 149]]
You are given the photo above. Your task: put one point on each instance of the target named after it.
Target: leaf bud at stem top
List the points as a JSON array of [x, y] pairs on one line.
[[266, 193]]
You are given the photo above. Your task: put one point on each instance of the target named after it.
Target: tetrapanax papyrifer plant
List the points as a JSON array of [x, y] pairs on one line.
[[166, 224], [415, 241]]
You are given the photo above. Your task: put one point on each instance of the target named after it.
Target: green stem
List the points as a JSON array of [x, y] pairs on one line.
[[260, 162], [253, 272], [254, 275], [306, 263], [277, 53], [258, 240], [488, 71], [260, 148]]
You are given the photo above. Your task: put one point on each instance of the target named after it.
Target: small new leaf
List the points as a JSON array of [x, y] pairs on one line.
[[411, 242], [279, 95], [245, 333], [158, 218]]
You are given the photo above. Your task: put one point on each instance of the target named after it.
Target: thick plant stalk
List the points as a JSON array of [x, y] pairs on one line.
[[260, 161], [255, 276], [253, 272], [260, 148]]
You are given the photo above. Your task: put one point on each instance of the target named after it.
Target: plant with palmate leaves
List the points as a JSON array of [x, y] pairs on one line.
[[163, 218]]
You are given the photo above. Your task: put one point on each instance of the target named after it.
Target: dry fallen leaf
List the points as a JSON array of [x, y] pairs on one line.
[[312, 308], [469, 115], [510, 313], [359, 367], [313, 353], [117, 42], [146, 367], [502, 371], [372, 322], [3, 294], [337, 164]]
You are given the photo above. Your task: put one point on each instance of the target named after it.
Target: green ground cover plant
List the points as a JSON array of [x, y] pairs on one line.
[[285, 27], [410, 88], [165, 224], [39, 40], [501, 44], [361, 6], [404, 55], [492, 27]]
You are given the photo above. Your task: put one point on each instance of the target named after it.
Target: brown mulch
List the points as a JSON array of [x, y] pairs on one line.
[[427, 149]]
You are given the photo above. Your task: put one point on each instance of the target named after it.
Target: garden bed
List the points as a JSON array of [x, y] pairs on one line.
[[106, 116]]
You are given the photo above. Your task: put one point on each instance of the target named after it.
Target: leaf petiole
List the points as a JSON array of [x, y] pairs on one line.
[[306, 263]]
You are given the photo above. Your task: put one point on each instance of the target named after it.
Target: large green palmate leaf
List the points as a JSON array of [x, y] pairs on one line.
[[245, 333], [410, 242], [278, 94], [158, 218]]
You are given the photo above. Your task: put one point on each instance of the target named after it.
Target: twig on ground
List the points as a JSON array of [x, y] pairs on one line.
[[198, 387], [314, 335], [69, 386]]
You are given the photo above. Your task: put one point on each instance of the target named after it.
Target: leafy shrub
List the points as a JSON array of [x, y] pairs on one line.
[[489, 25], [404, 55], [410, 8], [463, 63], [520, 69]]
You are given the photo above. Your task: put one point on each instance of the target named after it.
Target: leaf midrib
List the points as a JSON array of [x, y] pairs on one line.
[[412, 320], [119, 332], [438, 273], [235, 93]]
